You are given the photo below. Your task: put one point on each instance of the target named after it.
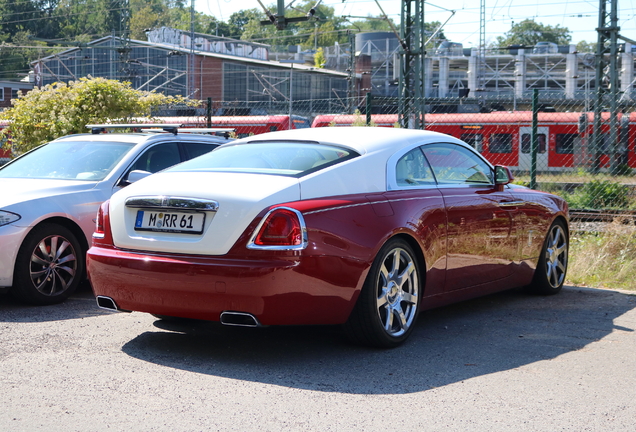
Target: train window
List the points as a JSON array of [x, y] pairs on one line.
[[500, 143], [526, 143], [565, 143], [473, 139]]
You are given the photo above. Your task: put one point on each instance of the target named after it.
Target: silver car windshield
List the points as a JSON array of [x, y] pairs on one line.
[[269, 157], [70, 160]]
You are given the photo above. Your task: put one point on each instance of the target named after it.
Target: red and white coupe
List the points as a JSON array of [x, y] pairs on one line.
[[357, 226]]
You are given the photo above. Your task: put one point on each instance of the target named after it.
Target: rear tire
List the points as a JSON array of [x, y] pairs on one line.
[[388, 305], [49, 265], [549, 275]]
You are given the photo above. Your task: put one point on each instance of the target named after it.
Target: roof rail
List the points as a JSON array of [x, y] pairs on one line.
[[213, 131], [101, 128]]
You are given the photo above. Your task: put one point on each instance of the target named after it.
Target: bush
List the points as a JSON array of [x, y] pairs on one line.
[[61, 109], [600, 194]]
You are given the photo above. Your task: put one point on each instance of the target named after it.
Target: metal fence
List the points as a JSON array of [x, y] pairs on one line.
[[550, 143]]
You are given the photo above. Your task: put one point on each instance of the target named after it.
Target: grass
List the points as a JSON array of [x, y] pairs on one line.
[[604, 259]]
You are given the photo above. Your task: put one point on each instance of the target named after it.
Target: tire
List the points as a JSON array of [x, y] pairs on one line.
[[49, 265], [549, 275], [388, 305]]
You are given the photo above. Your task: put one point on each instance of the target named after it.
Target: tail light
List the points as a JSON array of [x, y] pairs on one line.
[[282, 228], [102, 235]]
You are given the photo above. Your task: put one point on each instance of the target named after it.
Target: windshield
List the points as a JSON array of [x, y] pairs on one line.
[[266, 157], [68, 160]]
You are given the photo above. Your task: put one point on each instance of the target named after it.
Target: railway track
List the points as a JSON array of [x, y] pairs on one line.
[[627, 216]]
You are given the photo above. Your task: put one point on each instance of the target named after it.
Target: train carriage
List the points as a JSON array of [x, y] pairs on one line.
[[243, 125], [505, 138]]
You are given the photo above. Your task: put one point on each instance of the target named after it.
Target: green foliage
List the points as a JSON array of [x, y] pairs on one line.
[[600, 194], [528, 33], [61, 109], [360, 120], [319, 58], [586, 47]]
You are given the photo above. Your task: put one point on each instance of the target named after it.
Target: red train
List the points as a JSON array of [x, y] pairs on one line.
[[504, 138], [243, 125]]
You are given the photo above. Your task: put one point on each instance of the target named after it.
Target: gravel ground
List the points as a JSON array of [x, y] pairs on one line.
[[507, 362]]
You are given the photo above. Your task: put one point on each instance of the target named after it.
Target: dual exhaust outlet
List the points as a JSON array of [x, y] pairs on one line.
[[229, 318]]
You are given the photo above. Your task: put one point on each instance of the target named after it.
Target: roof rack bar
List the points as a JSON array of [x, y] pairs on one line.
[[101, 128]]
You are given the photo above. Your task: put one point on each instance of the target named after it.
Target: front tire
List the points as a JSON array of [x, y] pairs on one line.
[[49, 265], [387, 308], [553, 261]]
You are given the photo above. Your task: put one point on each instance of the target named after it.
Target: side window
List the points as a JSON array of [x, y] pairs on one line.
[[157, 158], [197, 149], [413, 169], [565, 143], [500, 143], [526, 143], [453, 164]]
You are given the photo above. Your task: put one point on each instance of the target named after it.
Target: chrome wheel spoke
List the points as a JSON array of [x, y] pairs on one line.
[[40, 261], [59, 251], [66, 259], [382, 300], [409, 298], [388, 321]]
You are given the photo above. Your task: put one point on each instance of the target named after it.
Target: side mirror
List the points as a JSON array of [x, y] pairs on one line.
[[135, 176], [503, 176]]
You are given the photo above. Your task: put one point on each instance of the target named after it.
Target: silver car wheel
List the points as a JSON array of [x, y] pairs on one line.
[[397, 292], [53, 265], [556, 256]]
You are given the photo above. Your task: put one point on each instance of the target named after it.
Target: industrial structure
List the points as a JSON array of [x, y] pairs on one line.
[[222, 69]]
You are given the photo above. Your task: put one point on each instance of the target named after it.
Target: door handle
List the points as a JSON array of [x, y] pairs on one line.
[[506, 204]]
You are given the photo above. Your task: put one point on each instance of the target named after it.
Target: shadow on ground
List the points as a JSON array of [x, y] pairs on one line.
[[451, 344], [80, 305]]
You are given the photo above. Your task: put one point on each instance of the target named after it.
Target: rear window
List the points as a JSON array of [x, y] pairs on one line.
[[286, 158]]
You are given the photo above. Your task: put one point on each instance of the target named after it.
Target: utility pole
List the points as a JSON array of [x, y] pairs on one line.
[[412, 65], [124, 32], [607, 73], [191, 79]]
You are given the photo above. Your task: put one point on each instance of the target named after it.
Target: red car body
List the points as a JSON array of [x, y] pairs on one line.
[[467, 241]]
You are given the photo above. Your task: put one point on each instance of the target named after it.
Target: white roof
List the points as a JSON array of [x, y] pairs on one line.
[[361, 139]]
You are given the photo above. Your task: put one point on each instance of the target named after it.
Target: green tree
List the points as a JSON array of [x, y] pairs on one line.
[[319, 58], [60, 109], [528, 33], [586, 47]]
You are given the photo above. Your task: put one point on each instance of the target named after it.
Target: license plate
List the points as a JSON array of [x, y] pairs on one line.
[[173, 222]]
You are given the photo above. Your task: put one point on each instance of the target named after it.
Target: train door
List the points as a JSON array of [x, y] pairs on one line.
[[525, 147]]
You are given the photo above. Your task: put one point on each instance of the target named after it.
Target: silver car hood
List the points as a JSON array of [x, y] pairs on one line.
[[18, 190]]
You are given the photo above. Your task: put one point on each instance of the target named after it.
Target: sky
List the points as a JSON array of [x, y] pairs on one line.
[[580, 16]]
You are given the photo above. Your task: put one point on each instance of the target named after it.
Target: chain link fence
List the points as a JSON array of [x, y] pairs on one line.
[[549, 142]]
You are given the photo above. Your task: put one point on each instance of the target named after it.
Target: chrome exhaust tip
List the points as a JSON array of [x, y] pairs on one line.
[[108, 303], [239, 319]]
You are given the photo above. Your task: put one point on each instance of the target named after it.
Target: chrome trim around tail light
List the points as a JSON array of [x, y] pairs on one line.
[[174, 203], [303, 227]]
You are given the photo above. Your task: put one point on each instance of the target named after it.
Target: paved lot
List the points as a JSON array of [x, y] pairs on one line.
[[508, 362]]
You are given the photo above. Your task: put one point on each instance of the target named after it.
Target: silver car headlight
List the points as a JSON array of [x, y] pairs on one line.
[[8, 217]]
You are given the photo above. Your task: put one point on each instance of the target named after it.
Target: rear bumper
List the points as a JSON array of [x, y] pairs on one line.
[[287, 291]]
